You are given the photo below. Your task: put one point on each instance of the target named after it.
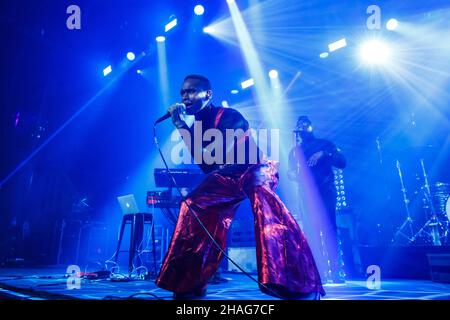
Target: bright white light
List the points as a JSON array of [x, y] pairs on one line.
[[247, 83], [392, 24], [107, 70], [160, 39], [225, 104], [139, 71], [234, 91], [323, 55], [131, 56], [337, 45], [170, 25], [230, 1], [208, 29], [374, 52], [199, 9], [273, 74]]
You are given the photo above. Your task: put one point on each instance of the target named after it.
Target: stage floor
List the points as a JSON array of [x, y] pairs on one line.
[[51, 284]]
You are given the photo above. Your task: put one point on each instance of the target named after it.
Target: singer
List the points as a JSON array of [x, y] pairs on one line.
[[285, 263]]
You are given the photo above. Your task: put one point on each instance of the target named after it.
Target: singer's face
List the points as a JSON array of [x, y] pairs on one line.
[[304, 127], [193, 96]]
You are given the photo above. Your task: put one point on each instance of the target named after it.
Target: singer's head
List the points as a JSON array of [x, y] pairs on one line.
[[195, 93], [304, 124], [303, 129]]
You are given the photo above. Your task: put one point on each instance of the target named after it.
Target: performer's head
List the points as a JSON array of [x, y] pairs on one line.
[[303, 129], [195, 93]]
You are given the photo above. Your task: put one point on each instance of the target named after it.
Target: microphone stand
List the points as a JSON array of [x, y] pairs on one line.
[[387, 195]]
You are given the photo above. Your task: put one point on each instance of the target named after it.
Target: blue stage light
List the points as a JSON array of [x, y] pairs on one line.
[[208, 30], [131, 56], [375, 52], [160, 39], [170, 25], [337, 45], [247, 83], [392, 24], [273, 74], [199, 9], [107, 70]]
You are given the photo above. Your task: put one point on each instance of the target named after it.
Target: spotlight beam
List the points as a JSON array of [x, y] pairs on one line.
[[62, 127], [251, 58], [52, 136], [163, 73]]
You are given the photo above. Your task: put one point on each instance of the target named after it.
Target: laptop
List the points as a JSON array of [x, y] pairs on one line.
[[128, 204]]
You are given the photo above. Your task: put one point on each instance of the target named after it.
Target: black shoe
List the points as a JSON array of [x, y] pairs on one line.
[[192, 295]]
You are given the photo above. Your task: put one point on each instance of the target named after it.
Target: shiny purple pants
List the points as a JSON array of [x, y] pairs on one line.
[[284, 260]]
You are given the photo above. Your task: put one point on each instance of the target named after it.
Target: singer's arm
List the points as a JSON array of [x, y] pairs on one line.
[[336, 157]]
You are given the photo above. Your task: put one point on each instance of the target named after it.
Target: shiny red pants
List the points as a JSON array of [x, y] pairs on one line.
[[284, 260]]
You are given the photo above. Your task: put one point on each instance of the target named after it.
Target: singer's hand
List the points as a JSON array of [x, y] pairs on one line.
[[178, 114], [312, 161]]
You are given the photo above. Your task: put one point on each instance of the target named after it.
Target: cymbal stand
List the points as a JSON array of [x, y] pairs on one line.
[[433, 223], [408, 223]]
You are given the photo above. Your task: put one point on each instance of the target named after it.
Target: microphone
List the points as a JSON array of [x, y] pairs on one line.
[[167, 115], [164, 117]]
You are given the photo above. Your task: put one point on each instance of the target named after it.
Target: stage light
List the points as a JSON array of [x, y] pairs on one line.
[[234, 91], [208, 30], [139, 71], [225, 104], [247, 83], [374, 52], [337, 45], [160, 39], [230, 1], [392, 24], [107, 70], [170, 25], [339, 184], [323, 55], [273, 74], [199, 9], [131, 56]]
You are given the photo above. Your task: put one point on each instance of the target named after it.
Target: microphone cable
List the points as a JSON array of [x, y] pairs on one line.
[[201, 223]]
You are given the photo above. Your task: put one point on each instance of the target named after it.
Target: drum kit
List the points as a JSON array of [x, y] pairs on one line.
[[435, 208]]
